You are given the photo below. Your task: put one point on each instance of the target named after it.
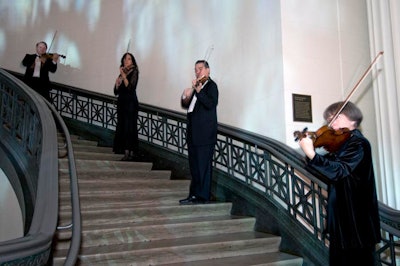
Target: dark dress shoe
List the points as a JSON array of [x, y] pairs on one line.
[[188, 200], [192, 200]]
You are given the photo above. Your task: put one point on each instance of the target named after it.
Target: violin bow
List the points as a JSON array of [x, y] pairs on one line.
[[355, 87], [51, 44], [209, 50], [207, 56], [129, 44]]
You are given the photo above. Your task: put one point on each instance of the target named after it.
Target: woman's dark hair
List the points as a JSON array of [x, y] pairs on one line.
[[133, 60], [350, 110]]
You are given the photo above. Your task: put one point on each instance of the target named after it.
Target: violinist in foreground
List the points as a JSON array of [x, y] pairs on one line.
[[352, 209], [38, 66]]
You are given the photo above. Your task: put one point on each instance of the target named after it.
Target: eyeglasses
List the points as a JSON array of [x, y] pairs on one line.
[[329, 119]]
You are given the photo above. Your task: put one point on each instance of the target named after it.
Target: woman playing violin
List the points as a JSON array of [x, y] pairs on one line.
[[126, 133], [38, 66], [352, 209]]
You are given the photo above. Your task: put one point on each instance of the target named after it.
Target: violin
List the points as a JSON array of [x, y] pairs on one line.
[[326, 136], [50, 56], [199, 81], [189, 91], [127, 69]]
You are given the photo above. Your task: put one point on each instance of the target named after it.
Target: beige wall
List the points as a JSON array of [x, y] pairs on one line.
[[263, 51], [10, 211], [326, 51]]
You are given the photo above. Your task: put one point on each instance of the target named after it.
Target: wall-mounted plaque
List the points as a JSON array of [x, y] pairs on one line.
[[302, 111]]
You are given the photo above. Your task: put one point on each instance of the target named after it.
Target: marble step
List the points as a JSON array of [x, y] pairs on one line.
[[123, 184], [122, 215], [78, 141], [82, 149], [125, 199], [161, 243], [92, 148], [137, 233], [183, 253], [109, 174], [104, 165], [263, 259], [95, 156]]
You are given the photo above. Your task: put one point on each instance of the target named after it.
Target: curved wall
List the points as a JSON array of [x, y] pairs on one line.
[[11, 220]]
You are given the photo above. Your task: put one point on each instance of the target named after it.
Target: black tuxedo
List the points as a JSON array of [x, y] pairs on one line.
[[201, 138], [42, 83]]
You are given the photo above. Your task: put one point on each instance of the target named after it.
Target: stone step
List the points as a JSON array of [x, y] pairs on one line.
[[123, 184], [73, 137], [121, 215], [93, 155], [128, 223], [184, 253], [78, 141], [155, 232], [162, 243], [105, 165], [125, 199], [128, 172], [91, 148], [264, 259], [110, 174]]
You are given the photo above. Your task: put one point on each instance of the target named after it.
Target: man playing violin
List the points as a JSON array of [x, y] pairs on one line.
[[352, 209], [201, 135], [38, 66]]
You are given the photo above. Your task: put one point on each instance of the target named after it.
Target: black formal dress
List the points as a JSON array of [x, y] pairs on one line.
[[126, 132], [353, 219], [40, 84], [201, 138]]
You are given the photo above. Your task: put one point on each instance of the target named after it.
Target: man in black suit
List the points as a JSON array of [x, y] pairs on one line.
[[201, 102], [37, 70]]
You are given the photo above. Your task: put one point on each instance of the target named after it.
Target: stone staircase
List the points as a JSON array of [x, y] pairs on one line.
[[131, 216]]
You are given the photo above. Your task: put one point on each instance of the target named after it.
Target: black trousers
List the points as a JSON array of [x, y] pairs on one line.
[[200, 162], [40, 87]]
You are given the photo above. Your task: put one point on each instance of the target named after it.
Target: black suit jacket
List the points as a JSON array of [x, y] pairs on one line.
[[202, 123], [47, 66]]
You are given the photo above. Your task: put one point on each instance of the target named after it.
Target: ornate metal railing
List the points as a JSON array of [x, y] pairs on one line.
[[28, 137], [266, 166]]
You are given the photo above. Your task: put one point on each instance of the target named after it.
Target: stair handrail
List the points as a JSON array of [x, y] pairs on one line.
[[28, 135], [18, 251], [76, 224]]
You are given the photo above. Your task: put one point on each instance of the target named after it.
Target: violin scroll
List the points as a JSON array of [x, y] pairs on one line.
[[299, 135]]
